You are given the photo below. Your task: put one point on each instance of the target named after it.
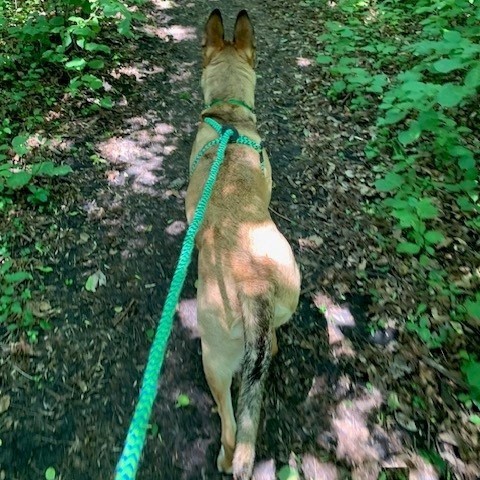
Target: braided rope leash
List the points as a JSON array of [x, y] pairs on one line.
[[235, 138], [128, 464]]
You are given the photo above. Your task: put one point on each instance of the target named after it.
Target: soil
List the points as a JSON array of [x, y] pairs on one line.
[[121, 213]]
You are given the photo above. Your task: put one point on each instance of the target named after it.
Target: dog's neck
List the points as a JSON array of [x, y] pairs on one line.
[[231, 114]]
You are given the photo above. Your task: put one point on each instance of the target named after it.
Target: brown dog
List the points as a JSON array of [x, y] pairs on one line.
[[248, 280]]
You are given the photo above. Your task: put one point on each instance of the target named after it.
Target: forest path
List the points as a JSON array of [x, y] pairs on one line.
[[124, 218]]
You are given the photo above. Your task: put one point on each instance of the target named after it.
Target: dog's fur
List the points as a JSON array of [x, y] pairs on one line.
[[248, 280]]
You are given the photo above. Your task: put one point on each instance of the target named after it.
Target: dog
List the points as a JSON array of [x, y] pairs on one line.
[[248, 279]]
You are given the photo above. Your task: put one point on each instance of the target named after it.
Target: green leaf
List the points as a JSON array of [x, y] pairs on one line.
[[43, 269], [97, 47], [434, 236], [475, 419], [466, 163], [473, 308], [472, 373], [408, 247], [106, 102], [339, 86], [18, 180], [150, 333], [451, 95], [50, 474], [396, 203], [94, 281], [19, 144], [92, 81], [182, 401], [452, 36], [44, 168], [62, 170], [324, 59], [96, 64], [393, 116], [123, 27], [465, 204], [56, 21], [472, 79], [446, 65], [5, 266], [76, 64], [288, 473], [17, 277], [16, 308], [411, 135], [426, 209], [45, 325], [406, 217], [466, 160], [91, 283], [154, 429], [391, 181]]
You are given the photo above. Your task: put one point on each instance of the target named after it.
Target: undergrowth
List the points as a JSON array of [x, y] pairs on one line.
[[415, 66], [52, 53]]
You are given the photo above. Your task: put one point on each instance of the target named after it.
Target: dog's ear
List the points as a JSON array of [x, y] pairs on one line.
[[244, 37], [213, 38]]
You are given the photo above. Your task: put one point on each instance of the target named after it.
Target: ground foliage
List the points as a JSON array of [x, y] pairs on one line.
[[414, 68], [50, 55], [370, 110]]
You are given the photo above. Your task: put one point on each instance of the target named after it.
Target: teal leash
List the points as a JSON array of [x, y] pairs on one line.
[[128, 464]]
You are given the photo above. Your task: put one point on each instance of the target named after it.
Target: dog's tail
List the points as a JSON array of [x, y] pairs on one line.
[[258, 327]]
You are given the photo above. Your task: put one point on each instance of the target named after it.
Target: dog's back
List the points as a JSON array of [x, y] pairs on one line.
[[248, 281]]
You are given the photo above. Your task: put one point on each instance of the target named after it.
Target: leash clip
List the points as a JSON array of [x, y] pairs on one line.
[[235, 135]]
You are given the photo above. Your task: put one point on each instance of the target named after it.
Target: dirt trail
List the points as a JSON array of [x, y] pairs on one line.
[[72, 401]]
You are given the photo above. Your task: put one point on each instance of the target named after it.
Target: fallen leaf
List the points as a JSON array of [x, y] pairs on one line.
[[94, 281], [4, 403]]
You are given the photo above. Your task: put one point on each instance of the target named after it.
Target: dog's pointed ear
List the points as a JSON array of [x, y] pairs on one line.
[[244, 37], [213, 37]]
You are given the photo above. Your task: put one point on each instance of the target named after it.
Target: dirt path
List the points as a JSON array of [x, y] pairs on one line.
[[71, 401]]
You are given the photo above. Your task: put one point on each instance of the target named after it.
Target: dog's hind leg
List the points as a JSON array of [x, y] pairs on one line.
[[219, 378]]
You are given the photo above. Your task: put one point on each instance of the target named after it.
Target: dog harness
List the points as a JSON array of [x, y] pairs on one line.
[[235, 138]]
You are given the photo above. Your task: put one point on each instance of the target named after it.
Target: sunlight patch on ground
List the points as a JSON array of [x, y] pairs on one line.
[[187, 312], [176, 228], [140, 72], [174, 33], [337, 317], [164, 4], [314, 468], [354, 442], [264, 470], [139, 157], [303, 62]]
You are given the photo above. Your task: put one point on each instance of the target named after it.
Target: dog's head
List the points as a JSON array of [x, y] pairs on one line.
[[228, 65]]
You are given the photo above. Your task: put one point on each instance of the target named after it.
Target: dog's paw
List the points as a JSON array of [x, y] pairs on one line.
[[243, 461], [223, 464]]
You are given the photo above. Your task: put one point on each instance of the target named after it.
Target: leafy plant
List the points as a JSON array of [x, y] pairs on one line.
[[51, 51], [471, 371], [421, 85], [13, 297]]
